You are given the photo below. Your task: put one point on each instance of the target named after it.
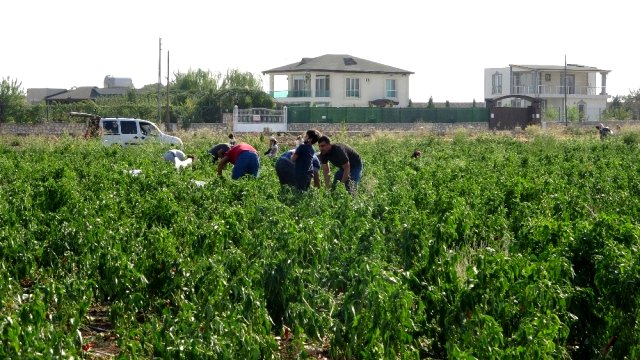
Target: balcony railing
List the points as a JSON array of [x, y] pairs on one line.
[[298, 93], [556, 90]]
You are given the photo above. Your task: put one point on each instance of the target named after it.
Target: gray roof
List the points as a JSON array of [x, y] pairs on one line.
[[337, 63], [86, 93], [570, 67]]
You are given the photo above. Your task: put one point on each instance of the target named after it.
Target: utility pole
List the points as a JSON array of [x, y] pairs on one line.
[[565, 90], [168, 109], [159, 76]]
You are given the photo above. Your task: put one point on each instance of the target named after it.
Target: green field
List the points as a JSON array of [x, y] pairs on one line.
[[487, 246]]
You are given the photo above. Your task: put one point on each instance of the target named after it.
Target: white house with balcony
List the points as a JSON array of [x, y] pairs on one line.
[[340, 81], [579, 84]]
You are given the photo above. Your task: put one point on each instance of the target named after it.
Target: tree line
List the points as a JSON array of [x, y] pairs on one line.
[[199, 96], [194, 96]]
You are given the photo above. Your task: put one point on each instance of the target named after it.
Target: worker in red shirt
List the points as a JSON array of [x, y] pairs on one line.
[[244, 158]]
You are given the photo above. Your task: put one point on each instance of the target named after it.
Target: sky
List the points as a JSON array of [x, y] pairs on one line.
[[447, 44]]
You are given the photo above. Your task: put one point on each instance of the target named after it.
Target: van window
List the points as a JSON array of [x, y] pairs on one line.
[[128, 127], [148, 129], [110, 127]]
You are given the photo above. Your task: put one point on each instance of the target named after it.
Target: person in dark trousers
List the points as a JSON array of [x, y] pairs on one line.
[[302, 158], [285, 169], [604, 131], [244, 158], [345, 158]]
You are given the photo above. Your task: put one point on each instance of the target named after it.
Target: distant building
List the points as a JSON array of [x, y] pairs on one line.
[[549, 83], [37, 95], [111, 82], [112, 86], [84, 93], [341, 80]]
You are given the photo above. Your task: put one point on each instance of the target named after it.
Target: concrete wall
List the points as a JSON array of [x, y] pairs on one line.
[[52, 128], [77, 129], [216, 127]]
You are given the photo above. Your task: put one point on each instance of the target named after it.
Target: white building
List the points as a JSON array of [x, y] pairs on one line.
[[339, 81], [580, 84]]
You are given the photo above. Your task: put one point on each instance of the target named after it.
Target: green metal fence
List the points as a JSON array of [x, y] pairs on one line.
[[385, 115]]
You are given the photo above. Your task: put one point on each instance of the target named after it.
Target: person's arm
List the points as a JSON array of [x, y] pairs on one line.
[[221, 165], [347, 172], [316, 179], [325, 172], [294, 156]]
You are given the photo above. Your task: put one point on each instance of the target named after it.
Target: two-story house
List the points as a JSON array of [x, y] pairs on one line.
[[339, 81], [552, 84]]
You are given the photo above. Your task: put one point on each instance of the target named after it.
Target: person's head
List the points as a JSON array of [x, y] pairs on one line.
[[272, 141], [218, 151], [312, 136], [230, 136], [324, 143]]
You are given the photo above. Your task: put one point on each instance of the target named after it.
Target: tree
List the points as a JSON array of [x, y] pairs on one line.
[[13, 100], [573, 114], [550, 114], [430, 103], [211, 106], [193, 85], [632, 103], [616, 110], [196, 81], [241, 80]]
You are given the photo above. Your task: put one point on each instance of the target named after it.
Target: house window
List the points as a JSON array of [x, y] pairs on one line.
[[496, 83], [582, 110], [322, 86], [517, 83], [570, 83], [299, 86], [390, 88], [353, 87]]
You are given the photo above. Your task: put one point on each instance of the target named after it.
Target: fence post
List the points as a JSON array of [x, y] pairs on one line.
[[235, 117], [284, 116]]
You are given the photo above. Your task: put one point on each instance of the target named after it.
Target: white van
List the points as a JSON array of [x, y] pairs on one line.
[[127, 131]]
